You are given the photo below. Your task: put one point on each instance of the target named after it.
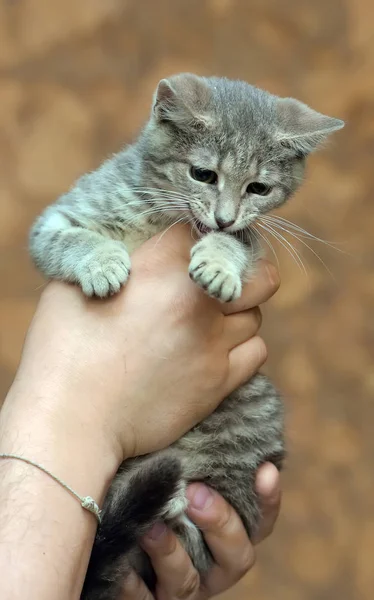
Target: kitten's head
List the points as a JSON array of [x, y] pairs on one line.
[[229, 150]]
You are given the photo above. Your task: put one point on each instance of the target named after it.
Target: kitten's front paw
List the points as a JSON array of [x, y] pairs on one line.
[[217, 277], [104, 270]]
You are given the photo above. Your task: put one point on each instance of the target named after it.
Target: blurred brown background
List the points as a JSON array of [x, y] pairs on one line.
[[75, 83]]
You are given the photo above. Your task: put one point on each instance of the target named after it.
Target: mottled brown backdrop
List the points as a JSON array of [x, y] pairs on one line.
[[76, 79]]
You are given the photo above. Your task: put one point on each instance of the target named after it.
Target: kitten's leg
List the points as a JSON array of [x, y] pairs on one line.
[[66, 251], [219, 263], [227, 448]]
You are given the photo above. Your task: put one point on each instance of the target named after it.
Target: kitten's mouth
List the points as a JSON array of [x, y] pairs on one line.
[[201, 228], [204, 229]]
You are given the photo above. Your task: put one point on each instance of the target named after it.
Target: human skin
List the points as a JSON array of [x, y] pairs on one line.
[[225, 535], [96, 385]]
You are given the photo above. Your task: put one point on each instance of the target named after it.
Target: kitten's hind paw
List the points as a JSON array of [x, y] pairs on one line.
[[217, 278], [104, 270]]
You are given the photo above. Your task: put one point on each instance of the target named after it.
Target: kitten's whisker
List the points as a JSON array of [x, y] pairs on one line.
[[162, 207], [267, 241], [293, 225], [281, 239], [192, 231], [309, 248], [161, 202], [291, 250], [290, 226], [39, 287], [296, 178], [159, 198], [169, 197], [158, 192], [153, 211], [168, 229], [144, 190], [302, 232], [273, 158], [303, 179], [150, 188], [286, 245]]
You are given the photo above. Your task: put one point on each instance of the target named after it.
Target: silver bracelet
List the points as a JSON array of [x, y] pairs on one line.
[[86, 502]]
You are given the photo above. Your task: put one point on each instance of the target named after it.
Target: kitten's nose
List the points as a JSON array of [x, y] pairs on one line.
[[222, 223]]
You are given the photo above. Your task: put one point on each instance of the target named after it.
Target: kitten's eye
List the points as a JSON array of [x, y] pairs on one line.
[[258, 188], [204, 175]]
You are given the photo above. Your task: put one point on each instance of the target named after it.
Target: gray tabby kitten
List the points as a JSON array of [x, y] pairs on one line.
[[218, 154]]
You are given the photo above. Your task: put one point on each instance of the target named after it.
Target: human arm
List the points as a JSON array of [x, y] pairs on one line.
[[84, 399]]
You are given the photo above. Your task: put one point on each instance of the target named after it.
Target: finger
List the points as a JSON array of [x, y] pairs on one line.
[[242, 326], [269, 491], [245, 360], [174, 244], [225, 535], [134, 588], [257, 291], [176, 575]]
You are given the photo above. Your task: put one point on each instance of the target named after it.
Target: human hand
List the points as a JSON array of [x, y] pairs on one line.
[[148, 363], [225, 535], [102, 380]]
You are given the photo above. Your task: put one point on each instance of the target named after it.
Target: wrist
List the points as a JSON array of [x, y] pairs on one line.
[[62, 436], [42, 525]]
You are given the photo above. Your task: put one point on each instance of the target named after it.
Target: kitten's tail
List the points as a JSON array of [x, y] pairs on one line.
[[134, 504]]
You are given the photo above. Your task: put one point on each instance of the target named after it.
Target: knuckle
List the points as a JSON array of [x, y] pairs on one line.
[[169, 545], [215, 372], [190, 585], [257, 315], [133, 587], [142, 593], [224, 518], [269, 530], [273, 275], [246, 562], [262, 351]]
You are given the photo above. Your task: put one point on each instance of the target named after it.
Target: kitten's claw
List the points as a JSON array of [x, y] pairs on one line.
[[217, 278], [104, 270]]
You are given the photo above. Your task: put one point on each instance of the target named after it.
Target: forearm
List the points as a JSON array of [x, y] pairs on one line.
[[45, 535]]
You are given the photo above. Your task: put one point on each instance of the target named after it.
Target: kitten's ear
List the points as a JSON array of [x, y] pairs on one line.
[[182, 99], [301, 127]]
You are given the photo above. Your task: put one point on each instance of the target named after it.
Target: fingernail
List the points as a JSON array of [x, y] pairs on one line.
[[157, 531], [200, 496]]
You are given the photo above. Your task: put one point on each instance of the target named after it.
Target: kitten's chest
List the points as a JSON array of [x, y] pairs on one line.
[[136, 235]]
